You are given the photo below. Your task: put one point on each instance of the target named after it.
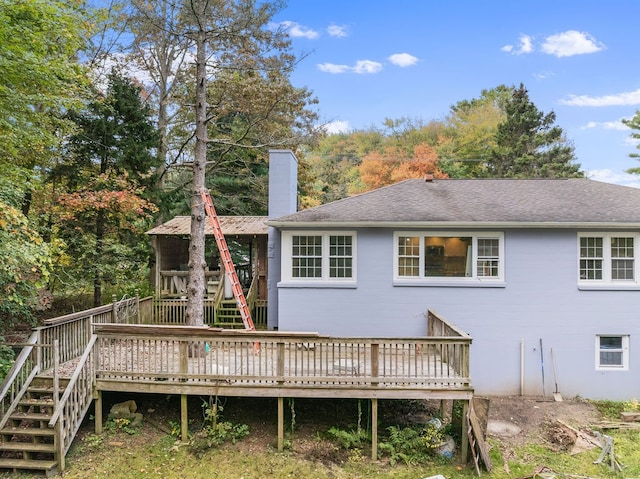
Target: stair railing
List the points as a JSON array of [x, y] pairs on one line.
[[75, 402], [25, 367]]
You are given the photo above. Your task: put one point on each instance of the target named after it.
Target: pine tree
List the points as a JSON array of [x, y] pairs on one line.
[[529, 145], [634, 124]]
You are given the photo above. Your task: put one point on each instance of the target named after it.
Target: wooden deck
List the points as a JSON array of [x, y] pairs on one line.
[[187, 360], [118, 348]]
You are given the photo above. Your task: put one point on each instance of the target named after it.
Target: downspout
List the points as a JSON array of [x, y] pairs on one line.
[[522, 367]]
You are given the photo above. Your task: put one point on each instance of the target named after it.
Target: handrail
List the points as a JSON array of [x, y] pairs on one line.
[[16, 382], [437, 322], [220, 291], [17, 365], [72, 382], [252, 293]]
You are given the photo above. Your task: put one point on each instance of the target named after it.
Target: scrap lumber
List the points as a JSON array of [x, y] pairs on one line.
[[630, 416], [477, 441]]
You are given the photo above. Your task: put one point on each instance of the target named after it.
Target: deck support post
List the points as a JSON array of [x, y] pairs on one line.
[[97, 414], [464, 441], [184, 418], [280, 424], [374, 429]]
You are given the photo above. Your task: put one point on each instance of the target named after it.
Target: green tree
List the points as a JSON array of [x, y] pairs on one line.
[[25, 268], [108, 178], [40, 78], [529, 145], [471, 132], [634, 124]]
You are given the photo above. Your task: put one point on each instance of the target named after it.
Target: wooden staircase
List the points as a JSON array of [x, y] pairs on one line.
[[27, 442], [228, 315]]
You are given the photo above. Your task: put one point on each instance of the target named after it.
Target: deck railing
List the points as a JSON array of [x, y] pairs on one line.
[[25, 367], [75, 401], [279, 360]]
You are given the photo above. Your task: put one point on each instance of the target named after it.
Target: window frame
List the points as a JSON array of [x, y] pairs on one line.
[[624, 350], [324, 278], [607, 281], [473, 280]]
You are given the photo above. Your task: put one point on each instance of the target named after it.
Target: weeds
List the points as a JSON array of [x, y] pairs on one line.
[[214, 433], [411, 445], [121, 424]]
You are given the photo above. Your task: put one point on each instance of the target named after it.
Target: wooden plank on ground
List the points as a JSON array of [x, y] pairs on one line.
[[630, 416], [480, 443]]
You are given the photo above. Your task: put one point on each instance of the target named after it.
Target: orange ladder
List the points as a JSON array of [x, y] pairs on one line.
[[229, 267]]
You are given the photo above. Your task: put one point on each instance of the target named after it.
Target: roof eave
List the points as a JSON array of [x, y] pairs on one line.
[[455, 224]]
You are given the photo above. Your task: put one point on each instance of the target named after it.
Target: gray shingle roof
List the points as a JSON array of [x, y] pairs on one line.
[[481, 201], [230, 225]]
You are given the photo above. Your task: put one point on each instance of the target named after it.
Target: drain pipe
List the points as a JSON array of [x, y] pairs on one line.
[[522, 367]]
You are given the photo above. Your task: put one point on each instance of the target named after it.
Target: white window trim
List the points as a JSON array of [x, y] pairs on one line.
[[473, 280], [324, 280], [625, 353], [606, 282]]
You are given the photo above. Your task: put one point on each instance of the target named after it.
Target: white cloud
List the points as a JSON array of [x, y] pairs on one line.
[[367, 66], [609, 176], [632, 141], [571, 43], [606, 125], [525, 46], [543, 75], [337, 31], [620, 99], [337, 126], [333, 68], [361, 67], [297, 30], [403, 59]]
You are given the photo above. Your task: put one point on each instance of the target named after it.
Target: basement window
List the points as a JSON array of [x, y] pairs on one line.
[[612, 352]]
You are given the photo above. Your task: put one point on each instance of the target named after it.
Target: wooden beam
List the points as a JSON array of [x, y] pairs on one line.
[[280, 424], [97, 414], [374, 429], [184, 418], [464, 441]]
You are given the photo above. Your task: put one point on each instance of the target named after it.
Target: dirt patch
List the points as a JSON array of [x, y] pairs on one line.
[[516, 420]]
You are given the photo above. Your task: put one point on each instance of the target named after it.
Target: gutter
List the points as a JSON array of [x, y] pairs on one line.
[[453, 224]]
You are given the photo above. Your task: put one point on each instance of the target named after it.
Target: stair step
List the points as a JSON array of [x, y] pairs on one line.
[[27, 431], [30, 416], [42, 402], [27, 447], [47, 466]]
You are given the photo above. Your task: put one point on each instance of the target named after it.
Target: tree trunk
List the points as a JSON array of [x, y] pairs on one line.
[[197, 263]]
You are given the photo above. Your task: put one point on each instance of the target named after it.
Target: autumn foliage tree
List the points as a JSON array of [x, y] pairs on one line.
[[105, 189], [382, 169]]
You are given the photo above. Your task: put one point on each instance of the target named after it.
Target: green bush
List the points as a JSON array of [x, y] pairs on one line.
[[411, 445], [6, 359]]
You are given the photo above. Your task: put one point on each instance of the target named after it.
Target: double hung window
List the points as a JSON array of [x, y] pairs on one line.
[[319, 256], [608, 259], [612, 352]]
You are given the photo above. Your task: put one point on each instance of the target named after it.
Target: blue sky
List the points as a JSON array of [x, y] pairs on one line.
[[371, 60]]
